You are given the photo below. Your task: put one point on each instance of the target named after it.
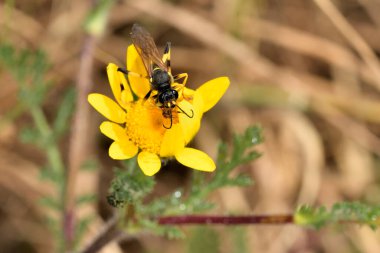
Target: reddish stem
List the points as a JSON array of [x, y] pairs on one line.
[[225, 220], [111, 232]]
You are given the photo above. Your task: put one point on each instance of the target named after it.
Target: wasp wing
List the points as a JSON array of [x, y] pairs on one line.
[[147, 49]]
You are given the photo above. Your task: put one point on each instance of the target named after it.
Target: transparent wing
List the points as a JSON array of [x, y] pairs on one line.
[[147, 49]]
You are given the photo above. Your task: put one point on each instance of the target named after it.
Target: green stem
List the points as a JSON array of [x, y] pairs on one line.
[[53, 154]]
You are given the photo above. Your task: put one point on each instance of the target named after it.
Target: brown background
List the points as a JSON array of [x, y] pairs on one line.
[[306, 71]]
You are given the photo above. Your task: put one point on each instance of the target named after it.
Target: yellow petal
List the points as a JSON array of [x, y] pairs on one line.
[[190, 125], [126, 94], [195, 159], [122, 150], [113, 131], [114, 80], [188, 92], [119, 85], [149, 163], [173, 141], [212, 91], [107, 107], [140, 86], [198, 104]]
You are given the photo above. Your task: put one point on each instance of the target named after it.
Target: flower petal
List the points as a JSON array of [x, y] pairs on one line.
[[140, 86], [195, 159], [107, 107], [126, 94], [212, 91], [189, 93], [149, 163], [119, 85], [122, 150], [190, 125], [114, 80], [113, 131], [173, 141]]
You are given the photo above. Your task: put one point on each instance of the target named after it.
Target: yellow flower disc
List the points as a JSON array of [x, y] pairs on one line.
[[144, 126]]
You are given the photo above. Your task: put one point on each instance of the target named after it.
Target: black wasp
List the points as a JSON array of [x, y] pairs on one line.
[[160, 78]]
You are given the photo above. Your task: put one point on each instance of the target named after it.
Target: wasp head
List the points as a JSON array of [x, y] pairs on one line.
[[166, 98]]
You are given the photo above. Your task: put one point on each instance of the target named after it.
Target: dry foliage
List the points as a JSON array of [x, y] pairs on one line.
[[307, 71]]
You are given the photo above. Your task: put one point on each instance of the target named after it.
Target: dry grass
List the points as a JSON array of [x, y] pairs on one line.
[[307, 71]]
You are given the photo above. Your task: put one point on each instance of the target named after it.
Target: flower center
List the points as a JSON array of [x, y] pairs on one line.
[[144, 125]]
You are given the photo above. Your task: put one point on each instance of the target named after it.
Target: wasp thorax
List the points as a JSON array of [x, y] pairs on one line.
[[160, 77]]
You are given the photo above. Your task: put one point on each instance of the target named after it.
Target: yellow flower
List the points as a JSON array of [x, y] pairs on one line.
[[137, 126]]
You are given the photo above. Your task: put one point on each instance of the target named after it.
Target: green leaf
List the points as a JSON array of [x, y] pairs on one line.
[[342, 212], [240, 180], [130, 185], [203, 239], [96, 21], [29, 69], [240, 240], [51, 202], [241, 154], [90, 165], [85, 199], [81, 228], [30, 135], [54, 225], [171, 232], [65, 111], [54, 176]]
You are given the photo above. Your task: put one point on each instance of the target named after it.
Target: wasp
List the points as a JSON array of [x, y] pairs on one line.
[[165, 85]]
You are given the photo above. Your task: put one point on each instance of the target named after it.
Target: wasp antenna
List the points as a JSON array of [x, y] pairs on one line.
[[171, 122], [130, 73], [124, 71], [192, 112]]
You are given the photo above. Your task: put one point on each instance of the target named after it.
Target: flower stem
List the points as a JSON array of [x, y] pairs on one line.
[[110, 232], [107, 234], [225, 220], [79, 142]]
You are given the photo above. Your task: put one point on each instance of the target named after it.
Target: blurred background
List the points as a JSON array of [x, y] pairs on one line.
[[307, 71]]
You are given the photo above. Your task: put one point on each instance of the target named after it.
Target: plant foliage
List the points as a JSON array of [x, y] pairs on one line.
[[130, 186], [343, 212]]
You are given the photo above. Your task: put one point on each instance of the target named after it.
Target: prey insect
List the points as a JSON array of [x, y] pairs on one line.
[[164, 87]]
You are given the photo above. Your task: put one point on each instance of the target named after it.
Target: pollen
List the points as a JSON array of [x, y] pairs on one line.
[[144, 126]]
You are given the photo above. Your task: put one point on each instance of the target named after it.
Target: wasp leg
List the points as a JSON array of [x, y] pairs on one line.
[[178, 86], [155, 97], [183, 76], [166, 57], [147, 96]]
